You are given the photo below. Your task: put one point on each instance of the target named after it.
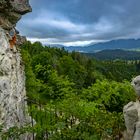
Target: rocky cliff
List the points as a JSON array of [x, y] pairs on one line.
[[132, 120], [132, 114], [11, 11], [12, 78]]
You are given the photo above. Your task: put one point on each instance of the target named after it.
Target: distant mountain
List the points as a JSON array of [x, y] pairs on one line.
[[127, 44], [115, 54], [55, 45]]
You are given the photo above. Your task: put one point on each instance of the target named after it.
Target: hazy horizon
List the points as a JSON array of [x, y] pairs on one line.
[[79, 22]]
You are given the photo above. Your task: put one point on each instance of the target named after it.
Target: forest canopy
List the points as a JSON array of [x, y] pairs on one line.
[[83, 97]]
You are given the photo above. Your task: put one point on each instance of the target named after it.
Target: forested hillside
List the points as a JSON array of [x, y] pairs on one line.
[[83, 98], [115, 54]]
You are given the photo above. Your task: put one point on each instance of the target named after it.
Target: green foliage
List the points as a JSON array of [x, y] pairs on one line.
[[33, 85], [78, 98], [74, 118], [113, 95], [73, 70], [14, 132], [117, 70], [59, 86]]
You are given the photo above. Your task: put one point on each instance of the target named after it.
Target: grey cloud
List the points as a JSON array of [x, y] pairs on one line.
[[82, 20]]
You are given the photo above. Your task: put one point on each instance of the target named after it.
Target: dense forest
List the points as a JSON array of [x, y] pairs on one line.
[[81, 98], [115, 54]]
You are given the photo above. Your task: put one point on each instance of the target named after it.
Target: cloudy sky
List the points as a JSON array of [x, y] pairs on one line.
[[80, 22]]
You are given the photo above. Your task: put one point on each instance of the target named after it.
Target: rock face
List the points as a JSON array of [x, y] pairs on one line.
[[136, 85], [132, 120], [12, 85], [20, 40], [13, 109], [132, 114], [11, 11]]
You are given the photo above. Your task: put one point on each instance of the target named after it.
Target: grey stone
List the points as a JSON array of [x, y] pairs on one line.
[[137, 131], [136, 85], [13, 108], [12, 87], [131, 117], [21, 40], [132, 120], [11, 11]]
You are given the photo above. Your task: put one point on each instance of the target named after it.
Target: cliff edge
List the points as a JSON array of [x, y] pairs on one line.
[[13, 109]]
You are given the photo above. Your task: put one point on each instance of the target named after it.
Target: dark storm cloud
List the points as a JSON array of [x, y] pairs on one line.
[[81, 21]]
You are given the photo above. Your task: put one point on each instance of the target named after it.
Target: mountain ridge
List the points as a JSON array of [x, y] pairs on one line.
[[127, 44]]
